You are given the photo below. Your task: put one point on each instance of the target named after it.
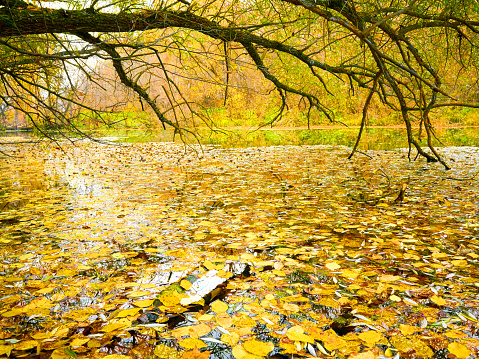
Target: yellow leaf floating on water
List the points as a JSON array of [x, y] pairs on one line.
[[224, 274], [219, 307], [116, 324], [195, 354], [45, 290], [80, 315], [332, 266], [199, 330], [143, 303], [455, 334], [389, 278], [329, 302], [209, 265], [25, 256], [408, 329], [13, 312], [36, 271], [169, 299], [459, 263], [231, 340], [366, 355], [79, 342], [351, 273], [437, 300], [288, 348], [404, 345], [257, 347], [205, 317], [26, 344], [194, 299], [60, 354], [459, 350], [192, 343], [332, 341], [395, 298], [240, 353], [128, 312], [139, 293], [185, 284], [291, 307], [165, 352], [370, 337], [296, 334], [148, 285], [5, 349]]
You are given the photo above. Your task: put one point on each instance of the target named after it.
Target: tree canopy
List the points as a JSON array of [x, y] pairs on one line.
[[415, 57]]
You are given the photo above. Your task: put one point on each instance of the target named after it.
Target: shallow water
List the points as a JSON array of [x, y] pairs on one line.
[[98, 242]]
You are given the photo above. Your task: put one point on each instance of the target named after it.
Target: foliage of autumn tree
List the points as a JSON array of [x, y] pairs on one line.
[[414, 57]]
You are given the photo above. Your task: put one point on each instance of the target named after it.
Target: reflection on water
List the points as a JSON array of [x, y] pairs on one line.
[[372, 139]]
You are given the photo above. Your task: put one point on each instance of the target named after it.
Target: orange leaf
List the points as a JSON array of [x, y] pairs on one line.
[[195, 354]]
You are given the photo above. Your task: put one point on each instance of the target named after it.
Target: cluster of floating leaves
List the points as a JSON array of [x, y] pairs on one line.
[[157, 250]]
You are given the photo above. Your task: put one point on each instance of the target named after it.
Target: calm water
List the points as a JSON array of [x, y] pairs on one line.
[[372, 139]]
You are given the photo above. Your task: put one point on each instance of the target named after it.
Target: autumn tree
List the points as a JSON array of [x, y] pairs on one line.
[[413, 56]]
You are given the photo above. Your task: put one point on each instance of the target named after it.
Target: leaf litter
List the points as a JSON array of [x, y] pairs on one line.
[[151, 250]]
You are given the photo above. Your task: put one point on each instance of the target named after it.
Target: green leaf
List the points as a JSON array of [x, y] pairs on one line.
[[71, 353]]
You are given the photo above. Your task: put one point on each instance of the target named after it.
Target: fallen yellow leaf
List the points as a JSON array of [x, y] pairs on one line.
[[459, 350], [143, 303], [219, 307], [332, 266], [139, 293], [370, 337], [296, 334], [395, 298], [116, 324], [437, 300], [257, 347], [165, 352], [128, 312], [366, 355], [192, 343]]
